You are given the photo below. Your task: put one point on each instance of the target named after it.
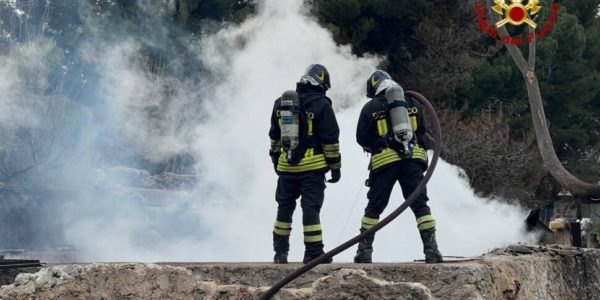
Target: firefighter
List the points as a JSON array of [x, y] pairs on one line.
[[302, 170], [392, 161]]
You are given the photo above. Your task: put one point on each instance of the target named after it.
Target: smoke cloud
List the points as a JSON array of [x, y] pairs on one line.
[[213, 103]]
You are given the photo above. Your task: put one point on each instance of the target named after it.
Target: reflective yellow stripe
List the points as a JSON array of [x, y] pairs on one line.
[[336, 166], [426, 222], [308, 157], [428, 225], [309, 228], [331, 150], [386, 153], [275, 145], [329, 154], [305, 168], [419, 157], [313, 238], [365, 226], [283, 225], [367, 222], [331, 147], [425, 218], [282, 231], [419, 153], [310, 127], [415, 126], [308, 163], [370, 221], [384, 163], [382, 128], [386, 156]]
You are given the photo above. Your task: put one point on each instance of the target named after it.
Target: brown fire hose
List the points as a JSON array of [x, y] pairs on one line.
[[437, 131]]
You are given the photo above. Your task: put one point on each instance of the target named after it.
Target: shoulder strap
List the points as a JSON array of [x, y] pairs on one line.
[[412, 101]]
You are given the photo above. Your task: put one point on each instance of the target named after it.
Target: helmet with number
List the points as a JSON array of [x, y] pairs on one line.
[[316, 75], [378, 82]]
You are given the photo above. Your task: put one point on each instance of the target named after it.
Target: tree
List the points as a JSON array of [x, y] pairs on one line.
[[527, 68]]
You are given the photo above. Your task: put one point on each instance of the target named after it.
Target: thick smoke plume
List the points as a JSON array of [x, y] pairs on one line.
[[207, 106]]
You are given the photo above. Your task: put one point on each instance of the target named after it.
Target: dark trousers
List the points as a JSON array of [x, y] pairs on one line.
[[311, 188], [406, 172]]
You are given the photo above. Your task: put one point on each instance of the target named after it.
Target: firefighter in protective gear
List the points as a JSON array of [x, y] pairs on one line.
[[388, 164], [318, 152]]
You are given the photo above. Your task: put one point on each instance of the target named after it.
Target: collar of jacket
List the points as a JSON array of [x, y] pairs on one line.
[[381, 98], [310, 93]]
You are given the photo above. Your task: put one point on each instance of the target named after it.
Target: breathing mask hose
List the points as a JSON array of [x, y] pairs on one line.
[[437, 131]]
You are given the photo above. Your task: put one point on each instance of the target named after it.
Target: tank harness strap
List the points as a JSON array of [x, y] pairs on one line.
[[397, 104]]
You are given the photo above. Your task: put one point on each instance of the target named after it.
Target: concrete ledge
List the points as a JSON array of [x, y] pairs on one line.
[[516, 272]]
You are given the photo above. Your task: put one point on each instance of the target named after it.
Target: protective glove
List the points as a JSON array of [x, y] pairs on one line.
[[335, 176]]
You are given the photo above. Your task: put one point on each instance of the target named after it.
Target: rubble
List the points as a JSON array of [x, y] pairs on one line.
[[516, 272]]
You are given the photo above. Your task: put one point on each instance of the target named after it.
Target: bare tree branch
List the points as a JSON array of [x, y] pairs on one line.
[[532, 47]]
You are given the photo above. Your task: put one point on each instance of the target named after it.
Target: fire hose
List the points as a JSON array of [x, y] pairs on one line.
[[437, 131]]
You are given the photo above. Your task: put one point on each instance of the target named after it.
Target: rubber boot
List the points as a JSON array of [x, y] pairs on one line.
[[314, 250], [281, 245], [365, 249], [430, 247]]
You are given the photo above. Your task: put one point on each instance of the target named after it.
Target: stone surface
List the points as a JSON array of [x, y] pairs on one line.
[[7, 276], [357, 284], [515, 272]]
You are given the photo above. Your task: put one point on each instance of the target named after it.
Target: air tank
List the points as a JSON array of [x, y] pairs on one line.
[[289, 114], [400, 121]]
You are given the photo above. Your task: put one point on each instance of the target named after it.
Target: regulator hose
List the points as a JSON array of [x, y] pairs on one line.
[[437, 131]]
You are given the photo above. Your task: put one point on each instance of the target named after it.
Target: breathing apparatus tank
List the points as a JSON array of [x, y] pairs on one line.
[[400, 121], [289, 114]]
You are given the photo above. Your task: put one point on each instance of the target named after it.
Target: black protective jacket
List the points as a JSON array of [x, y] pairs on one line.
[[319, 142], [374, 126]]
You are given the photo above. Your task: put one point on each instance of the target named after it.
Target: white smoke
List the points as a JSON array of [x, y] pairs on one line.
[[273, 49], [467, 225], [31, 58], [224, 124], [255, 63]]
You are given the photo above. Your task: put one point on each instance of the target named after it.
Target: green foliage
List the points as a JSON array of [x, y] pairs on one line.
[[570, 36], [220, 10], [493, 83], [375, 26], [585, 10], [568, 73], [590, 54], [435, 47], [569, 82]]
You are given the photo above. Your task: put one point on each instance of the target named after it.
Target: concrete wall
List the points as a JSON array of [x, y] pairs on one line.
[[517, 272]]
